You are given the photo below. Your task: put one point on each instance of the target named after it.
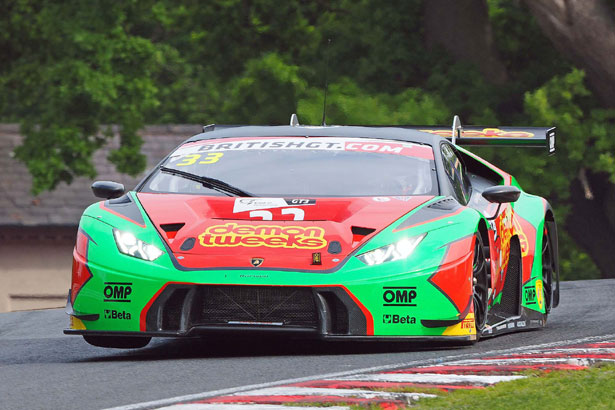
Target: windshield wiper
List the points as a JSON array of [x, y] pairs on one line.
[[211, 183]]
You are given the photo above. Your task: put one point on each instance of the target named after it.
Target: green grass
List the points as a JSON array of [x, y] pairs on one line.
[[593, 388]]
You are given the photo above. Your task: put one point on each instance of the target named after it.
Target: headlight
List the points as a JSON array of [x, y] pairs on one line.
[[128, 244], [393, 252]]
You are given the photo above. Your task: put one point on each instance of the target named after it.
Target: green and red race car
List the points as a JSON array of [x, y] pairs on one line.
[[336, 232]]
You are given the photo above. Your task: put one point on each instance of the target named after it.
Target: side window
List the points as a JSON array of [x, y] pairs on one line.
[[456, 172]]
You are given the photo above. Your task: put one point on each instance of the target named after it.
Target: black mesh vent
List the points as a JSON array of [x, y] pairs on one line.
[[511, 291], [339, 314], [291, 306], [171, 314]]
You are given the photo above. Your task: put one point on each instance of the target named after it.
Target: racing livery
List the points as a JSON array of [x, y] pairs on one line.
[[337, 232]]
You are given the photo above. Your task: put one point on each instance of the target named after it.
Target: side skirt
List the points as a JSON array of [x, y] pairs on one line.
[[529, 319]]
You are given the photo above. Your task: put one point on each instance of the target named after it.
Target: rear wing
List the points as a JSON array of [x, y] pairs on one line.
[[472, 135], [510, 136]]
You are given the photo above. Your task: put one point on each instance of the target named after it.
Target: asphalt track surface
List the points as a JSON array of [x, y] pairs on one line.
[[41, 368]]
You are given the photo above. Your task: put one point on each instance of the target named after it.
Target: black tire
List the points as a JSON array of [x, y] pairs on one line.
[[548, 267], [480, 285], [118, 342]]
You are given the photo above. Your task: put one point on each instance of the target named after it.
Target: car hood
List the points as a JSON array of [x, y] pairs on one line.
[[270, 233]]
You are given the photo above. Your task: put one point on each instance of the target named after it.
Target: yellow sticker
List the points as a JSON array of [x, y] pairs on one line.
[[464, 328], [539, 294], [76, 323]]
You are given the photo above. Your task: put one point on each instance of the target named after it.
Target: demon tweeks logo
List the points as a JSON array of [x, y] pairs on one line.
[[395, 319], [271, 236], [116, 314], [399, 296]]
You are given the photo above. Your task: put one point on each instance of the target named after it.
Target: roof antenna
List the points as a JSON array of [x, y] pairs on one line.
[[324, 105]]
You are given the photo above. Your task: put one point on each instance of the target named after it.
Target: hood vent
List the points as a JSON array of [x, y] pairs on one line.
[[445, 204], [359, 232], [172, 229]]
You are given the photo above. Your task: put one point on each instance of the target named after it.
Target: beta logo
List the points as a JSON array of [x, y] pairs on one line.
[[117, 291], [399, 296], [116, 314], [397, 319]]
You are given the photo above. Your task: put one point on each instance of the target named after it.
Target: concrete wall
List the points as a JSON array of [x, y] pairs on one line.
[[34, 274]]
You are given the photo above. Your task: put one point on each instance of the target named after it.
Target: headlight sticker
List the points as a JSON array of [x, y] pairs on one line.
[[128, 244], [401, 249]]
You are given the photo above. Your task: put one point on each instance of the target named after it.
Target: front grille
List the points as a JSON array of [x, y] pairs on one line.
[[289, 306], [182, 308]]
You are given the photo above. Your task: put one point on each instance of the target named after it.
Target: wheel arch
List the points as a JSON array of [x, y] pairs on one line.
[[551, 226]]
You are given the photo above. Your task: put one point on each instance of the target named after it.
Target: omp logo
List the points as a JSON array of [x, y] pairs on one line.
[[399, 296], [116, 314], [529, 292], [397, 319], [117, 291], [271, 236]]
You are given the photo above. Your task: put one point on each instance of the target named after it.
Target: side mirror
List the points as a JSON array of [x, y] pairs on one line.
[[502, 194], [107, 189]]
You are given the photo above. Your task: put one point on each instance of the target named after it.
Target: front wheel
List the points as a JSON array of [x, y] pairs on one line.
[[118, 342]]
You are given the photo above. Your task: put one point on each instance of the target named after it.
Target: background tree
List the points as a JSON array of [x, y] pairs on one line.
[[69, 69]]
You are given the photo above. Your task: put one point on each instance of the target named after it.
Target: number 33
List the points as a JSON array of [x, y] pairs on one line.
[[191, 159]]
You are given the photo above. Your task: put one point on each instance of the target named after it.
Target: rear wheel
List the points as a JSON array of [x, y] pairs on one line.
[[480, 284], [118, 342], [548, 267]]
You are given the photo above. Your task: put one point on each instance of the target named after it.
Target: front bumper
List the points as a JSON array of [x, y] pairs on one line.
[[325, 312], [127, 296]]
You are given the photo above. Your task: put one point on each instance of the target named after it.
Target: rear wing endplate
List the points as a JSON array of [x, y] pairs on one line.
[[478, 135]]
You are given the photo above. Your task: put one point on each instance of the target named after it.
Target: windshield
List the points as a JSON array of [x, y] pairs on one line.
[[300, 166]]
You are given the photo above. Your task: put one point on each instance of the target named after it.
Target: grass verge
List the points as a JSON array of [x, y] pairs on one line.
[[593, 388]]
